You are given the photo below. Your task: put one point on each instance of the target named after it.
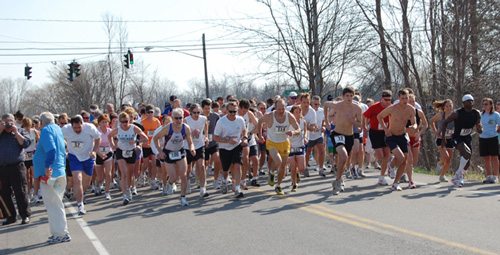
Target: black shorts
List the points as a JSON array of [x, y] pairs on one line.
[[130, 155], [313, 143], [158, 163], [99, 161], [146, 152], [298, 151], [28, 164], [449, 143], [377, 138], [228, 158], [462, 139], [168, 156], [339, 139], [253, 151], [210, 151], [200, 154], [488, 146], [262, 147], [357, 136], [395, 141], [68, 170]]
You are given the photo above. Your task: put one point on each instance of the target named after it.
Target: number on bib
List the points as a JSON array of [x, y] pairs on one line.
[[448, 132], [465, 132], [175, 155], [280, 129], [151, 133], [196, 138], [339, 139], [29, 155], [77, 145], [103, 149], [128, 154], [210, 137]]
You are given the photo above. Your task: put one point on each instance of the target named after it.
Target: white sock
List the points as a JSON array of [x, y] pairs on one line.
[[463, 162], [237, 189]]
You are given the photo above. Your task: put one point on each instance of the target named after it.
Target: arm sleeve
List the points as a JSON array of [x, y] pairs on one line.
[[48, 143], [27, 140]]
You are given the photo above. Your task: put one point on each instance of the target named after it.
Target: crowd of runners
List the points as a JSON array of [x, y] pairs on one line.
[[232, 140]]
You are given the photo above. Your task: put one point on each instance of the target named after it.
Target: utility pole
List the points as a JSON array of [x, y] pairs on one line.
[[318, 77], [205, 62]]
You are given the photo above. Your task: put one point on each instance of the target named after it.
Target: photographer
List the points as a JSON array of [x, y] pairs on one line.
[[13, 141]]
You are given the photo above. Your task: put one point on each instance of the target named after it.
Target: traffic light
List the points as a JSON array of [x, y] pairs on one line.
[[27, 72], [71, 70], [131, 57], [127, 60], [76, 68]]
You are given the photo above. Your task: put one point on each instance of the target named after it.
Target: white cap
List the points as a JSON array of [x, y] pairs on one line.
[[293, 94], [467, 97]]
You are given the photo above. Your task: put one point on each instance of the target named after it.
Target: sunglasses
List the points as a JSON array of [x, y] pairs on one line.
[[195, 112], [232, 111], [86, 118], [387, 99], [124, 121], [151, 112], [178, 118], [293, 98], [62, 123]]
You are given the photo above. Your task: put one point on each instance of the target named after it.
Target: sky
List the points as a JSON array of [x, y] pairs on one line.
[[32, 34]]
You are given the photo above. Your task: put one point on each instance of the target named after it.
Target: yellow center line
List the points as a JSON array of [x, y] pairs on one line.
[[360, 222]]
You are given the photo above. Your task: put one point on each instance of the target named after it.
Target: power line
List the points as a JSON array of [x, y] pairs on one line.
[[130, 21]]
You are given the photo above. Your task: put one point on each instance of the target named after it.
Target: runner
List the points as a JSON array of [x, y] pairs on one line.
[[377, 134], [253, 156], [150, 124], [347, 115], [104, 159], [316, 140], [261, 107], [310, 117], [396, 137], [230, 133], [33, 135], [83, 141], [298, 146], [212, 149], [250, 126], [278, 145], [488, 140], [126, 150], [465, 119], [445, 109], [199, 135]]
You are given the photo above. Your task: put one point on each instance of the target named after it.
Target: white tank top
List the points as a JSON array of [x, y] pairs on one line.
[[32, 138], [276, 132], [198, 140], [175, 140], [297, 141], [124, 137]]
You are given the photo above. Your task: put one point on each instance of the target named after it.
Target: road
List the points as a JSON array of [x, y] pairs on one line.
[[365, 219]]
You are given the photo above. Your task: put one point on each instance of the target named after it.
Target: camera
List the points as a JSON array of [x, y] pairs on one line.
[[8, 124]]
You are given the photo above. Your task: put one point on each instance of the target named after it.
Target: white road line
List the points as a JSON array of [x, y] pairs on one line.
[[101, 250]]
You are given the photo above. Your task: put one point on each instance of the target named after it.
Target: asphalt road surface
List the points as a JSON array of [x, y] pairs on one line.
[[435, 218]]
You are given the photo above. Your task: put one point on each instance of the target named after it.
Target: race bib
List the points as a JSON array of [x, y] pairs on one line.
[[210, 137], [29, 155], [175, 155], [128, 154], [104, 149], [448, 132], [77, 145], [151, 133], [382, 128], [339, 139], [296, 150], [465, 132], [280, 129], [196, 138]]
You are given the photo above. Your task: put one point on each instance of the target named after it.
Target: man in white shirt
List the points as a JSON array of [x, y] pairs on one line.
[[83, 141]]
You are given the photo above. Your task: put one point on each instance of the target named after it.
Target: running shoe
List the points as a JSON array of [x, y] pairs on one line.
[[81, 210], [461, 180], [489, 179], [129, 194], [360, 172], [306, 172], [92, 188], [279, 191], [203, 193], [184, 202], [153, 184], [457, 180], [160, 186], [216, 184], [67, 194], [97, 192], [348, 174], [298, 177], [254, 183], [294, 188], [210, 170], [354, 173], [412, 185], [107, 196], [164, 192], [55, 240], [270, 181], [170, 189], [404, 178], [443, 178], [174, 187], [337, 187], [495, 179], [334, 169], [239, 195], [244, 185], [395, 187], [377, 166], [322, 172], [134, 191], [224, 187], [382, 181], [36, 200]]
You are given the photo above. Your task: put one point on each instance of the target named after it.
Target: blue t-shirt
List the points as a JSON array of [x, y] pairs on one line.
[[490, 123], [50, 152]]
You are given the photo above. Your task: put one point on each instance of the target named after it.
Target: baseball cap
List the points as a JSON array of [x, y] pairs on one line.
[[173, 97], [467, 97], [293, 94], [149, 109], [329, 98]]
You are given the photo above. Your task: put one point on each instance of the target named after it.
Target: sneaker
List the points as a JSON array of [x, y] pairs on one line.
[[84, 198], [395, 187], [216, 184], [306, 172], [337, 187], [382, 181], [184, 202], [54, 240], [392, 172], [36, 200], [244, 185], [203, 193], [360, 172], [164, 192], [439, 168], [270, 180], [377, 166], [102, 188], [404, 178], [262, 172], [322, 172], [97, 192], [239, 195], [443, 178], [354, 173], [454, 180], [348, 174], [298, 177], [294, 188], [342, 183], [411, 185], [107, 196], [160, 186], [174, 187], [134, 191], [495, 179], [461, 180], [254, 183], [489, 179], [67, 194], [92, 188], [188, 190], [153, 185], [279, 191], [169, 189], [210, 170], [129, 194], [81, 210], [224, 187]]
